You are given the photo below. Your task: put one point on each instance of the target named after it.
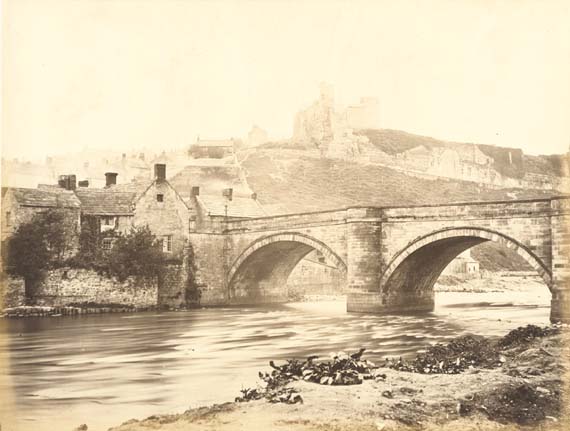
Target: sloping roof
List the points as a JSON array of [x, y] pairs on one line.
[[137, 187], [242, 207], [106, 201], [43, 198]]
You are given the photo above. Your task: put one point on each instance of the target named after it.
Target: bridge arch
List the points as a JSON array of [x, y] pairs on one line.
[[260, 272], [413, 271]]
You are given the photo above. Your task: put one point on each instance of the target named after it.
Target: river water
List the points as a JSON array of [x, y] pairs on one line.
[[105, 369]]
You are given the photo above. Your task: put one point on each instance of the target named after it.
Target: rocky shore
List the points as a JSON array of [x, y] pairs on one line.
[[520, 381]]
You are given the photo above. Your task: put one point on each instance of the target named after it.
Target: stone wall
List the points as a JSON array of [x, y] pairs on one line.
[[67, 286], [12, 291], [172, 287]]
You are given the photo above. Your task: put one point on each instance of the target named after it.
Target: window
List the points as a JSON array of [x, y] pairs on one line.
[[107, 243], [108, 223], [8, 218], [167, 243], [160, 197]]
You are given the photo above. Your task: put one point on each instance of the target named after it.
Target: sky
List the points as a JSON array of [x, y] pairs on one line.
[[155, 74]]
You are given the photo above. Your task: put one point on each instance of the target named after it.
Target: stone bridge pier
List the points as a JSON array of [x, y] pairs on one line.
[[391, 257]]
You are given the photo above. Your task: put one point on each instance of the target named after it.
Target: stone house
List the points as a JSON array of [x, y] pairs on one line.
[[464, 264], [154, 203], [19, 205]]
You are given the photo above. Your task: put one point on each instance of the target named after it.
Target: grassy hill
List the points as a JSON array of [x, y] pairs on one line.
[[288, 182]]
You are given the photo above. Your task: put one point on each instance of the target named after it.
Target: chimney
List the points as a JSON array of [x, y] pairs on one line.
[[141, 156], [84, 183], [67, 182], [228, 194], [110, 179], [71, 182], [160, 172], [195, 191]]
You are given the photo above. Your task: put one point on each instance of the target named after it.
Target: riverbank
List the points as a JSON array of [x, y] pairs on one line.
[[506, 281], [57, 311], [526, 388]]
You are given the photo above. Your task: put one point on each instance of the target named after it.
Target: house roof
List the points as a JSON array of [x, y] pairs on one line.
[[241, 207], [106, 201], [43, 198]]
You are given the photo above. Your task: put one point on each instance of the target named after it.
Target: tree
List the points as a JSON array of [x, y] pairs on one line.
[[46, 240], [137, 253]]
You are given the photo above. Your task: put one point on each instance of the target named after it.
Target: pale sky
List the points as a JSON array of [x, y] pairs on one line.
[[156, 73]]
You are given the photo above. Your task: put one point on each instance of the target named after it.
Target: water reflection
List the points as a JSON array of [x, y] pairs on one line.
[[104, 369]]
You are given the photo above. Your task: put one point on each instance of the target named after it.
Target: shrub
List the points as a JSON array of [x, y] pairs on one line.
[[46, 240], [137, 253]]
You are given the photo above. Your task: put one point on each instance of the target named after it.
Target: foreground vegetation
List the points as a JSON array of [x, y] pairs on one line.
[[517, 382]]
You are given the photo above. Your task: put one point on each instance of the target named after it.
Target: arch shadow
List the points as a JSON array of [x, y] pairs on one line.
[[411, 274], [260, 272]]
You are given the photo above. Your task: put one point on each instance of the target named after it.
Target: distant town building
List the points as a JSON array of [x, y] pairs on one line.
[[211, 148], [256, 137], [463, 264]]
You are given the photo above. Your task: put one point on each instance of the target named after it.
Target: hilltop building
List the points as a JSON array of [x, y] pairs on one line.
[[330, 129], [256, 137], [213, 148]]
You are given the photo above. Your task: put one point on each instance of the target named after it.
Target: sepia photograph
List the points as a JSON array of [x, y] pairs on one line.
[[285, 215]]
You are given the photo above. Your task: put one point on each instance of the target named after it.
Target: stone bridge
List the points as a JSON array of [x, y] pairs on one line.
[[392, 256]]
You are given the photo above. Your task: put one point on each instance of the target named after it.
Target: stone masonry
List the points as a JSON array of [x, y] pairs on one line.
[[391, 257], [67, 286]]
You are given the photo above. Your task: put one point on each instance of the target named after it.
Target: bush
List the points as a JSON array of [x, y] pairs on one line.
[[137, 253], [45, 241]]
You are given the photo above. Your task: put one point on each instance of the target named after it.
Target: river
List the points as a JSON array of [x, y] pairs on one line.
[[104, 369]]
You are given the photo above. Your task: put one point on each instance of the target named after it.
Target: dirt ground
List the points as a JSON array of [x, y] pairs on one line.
[[528, 390]]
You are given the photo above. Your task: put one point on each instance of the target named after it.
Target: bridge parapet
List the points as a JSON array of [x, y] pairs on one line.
[[474, 210], [304, 220]]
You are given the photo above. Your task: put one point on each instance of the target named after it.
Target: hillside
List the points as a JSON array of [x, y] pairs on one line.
[[288, 181], [510, 162], [495, 257]]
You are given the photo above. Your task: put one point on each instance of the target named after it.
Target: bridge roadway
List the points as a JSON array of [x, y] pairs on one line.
[[391, 256]]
